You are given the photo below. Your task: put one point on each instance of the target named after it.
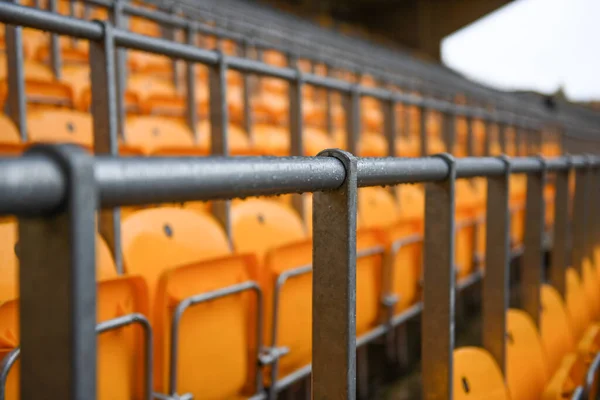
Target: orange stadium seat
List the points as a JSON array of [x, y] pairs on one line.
[[32, 70], [223, 327], [157, 239], [477, 376], [153, 134], [10, 140], [555, 328], [566, 380], [526, 367], [9, 261], [576, 301], [239, 143], [294, 313], [70, 52], [262, 224], [60, 125], [466, 211], [120, 353], [370, 144], [145, 86], [78, 78]]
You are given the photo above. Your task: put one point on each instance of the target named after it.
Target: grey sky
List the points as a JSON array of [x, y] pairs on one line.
[[534, 45]]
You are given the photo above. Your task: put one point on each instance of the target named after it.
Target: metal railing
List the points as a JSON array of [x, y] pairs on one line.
[[56, 190]]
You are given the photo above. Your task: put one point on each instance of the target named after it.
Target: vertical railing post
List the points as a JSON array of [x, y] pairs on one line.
[[17, 100], [595, 215], [424, 139], [449, 128], [329, 103], [470, 120], [437, 339], [580, 215], [487, 137], [533, 256], [517, 136], [190, 82], [497, 256], [390, 130], [559, 253], [353, 120], [55, 54], [592, 201], [334, 287], [172, 36], [105, 124], [219, 138], [119, 20], [247, 87], [502, 137], [296, 127], [58, 287]]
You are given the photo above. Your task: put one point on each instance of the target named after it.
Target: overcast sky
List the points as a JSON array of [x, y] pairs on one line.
[[534, 45]]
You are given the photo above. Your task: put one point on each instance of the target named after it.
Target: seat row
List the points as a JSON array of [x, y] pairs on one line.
[[171, 254], [550, 361]]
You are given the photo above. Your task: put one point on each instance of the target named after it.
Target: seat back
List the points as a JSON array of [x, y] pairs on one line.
[[518, 190], [60, 125], [404, 251], [590, 286], [9, 261], [316, 140], [294, 313], [259, 225], [555, 327], [270, 139], [577, 304], [526, 367], [120, 352], [239, 143], [476, 376], [153, 134], [465, 232], [10, 140], [32, 70], [157, 239], [567, 378], [221, 330], [377, 208]]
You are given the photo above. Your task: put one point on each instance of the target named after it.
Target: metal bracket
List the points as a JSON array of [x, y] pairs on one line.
[[269, 355], [497, 249], [106, 126], [334, 286], [160, 396], [533, 255], [559, 257], [58, 262], [437, 338]]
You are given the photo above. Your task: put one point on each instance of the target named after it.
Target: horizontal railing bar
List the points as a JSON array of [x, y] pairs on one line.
[[35, 184], [327, 83], [391, 171], [165, 47], [525, 165], [51, 22], [163, 18], [129, 181], [31, 184], [471, 167]]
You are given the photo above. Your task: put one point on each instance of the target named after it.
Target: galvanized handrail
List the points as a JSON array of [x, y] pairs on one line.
[[34, 183]]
